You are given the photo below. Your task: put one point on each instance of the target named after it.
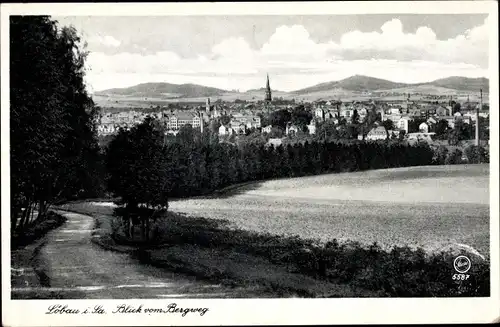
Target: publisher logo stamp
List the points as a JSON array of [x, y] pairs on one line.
[[462, 264]]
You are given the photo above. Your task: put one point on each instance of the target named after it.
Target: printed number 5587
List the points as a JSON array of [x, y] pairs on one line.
[[460, 277]]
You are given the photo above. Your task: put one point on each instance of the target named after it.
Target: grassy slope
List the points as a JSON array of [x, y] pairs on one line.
[[213, 249], [432, 207]]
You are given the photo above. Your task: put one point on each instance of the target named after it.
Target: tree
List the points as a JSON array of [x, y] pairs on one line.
[[460, 132], [441, 154], [456, 107], [54, 150], [388, 124], [225, 119], [139, 172], [355, 117], [441, 127], [186, 134], [276, 132], [454, 157], [484, 128], [301, 117], [280, 118], [476, 154], [327, 130], [414, 125]]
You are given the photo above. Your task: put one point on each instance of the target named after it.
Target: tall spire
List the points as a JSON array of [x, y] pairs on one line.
[[268, 90]]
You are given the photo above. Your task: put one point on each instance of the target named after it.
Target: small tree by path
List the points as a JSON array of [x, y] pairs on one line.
[[139, 174]]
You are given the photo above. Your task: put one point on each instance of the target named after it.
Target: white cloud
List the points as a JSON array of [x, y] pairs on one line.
[[296, 61], [106, 40]]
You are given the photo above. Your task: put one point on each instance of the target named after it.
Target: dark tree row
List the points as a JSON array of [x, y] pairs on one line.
[[197, 166], [53, 149]]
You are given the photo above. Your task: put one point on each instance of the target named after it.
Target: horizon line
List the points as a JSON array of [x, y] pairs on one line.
[[276, 90]]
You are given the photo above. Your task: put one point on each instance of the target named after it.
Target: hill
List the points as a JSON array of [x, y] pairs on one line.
[[462, 83], [360, 83], [351, 88], [357, 83], [164, 90]]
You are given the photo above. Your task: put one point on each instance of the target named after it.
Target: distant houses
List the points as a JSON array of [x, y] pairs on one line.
[[417, 119], [291, 129], [377, 133]]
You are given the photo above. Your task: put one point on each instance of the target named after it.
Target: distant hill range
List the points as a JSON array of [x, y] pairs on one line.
[[352, 85], [164, 90], [361, 83]]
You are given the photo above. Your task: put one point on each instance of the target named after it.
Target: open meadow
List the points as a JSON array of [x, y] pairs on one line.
[[432, 207]]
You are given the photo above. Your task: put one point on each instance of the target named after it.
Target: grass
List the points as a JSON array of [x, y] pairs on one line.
[[400, 272], [284, 234], [293, 266], [430, 207]]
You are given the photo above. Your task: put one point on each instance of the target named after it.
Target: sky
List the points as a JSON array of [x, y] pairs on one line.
[[236, 52]]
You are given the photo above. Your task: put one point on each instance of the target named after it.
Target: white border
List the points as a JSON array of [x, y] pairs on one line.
[[273, 311]]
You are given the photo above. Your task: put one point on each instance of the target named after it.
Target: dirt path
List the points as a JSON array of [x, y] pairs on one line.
[[71, 266]]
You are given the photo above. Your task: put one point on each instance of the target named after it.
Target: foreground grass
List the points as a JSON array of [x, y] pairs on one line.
[[210, 249], [401, 272]]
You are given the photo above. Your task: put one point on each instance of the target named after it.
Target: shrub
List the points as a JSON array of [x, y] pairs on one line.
[[402, 271], [454, 157], [440, 155], [475, 154]]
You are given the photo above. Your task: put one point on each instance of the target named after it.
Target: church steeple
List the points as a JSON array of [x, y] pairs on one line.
[[268, 90]]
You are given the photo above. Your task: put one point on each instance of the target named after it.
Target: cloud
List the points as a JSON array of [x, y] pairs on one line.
[[295, 60], [106, 40]]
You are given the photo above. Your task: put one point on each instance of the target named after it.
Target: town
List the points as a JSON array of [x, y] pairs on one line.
[[417, 120]]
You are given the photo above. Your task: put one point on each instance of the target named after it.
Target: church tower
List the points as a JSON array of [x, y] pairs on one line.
[[268, 90]]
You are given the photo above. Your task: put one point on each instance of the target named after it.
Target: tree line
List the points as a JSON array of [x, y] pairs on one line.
[[145, 169], [54, 153]]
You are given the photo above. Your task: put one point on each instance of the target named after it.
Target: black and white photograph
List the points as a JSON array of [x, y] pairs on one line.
[[205, 154]]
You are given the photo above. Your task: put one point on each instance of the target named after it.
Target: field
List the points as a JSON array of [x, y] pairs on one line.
[[432, 207], [140, 102]]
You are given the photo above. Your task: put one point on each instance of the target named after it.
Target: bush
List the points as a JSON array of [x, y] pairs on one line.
[[454, 157], [440, 155], [476, 154], [401, 272]]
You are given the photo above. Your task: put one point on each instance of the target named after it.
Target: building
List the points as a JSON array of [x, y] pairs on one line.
[[319, 113], [291, 129], [225, 130], [274, 142], [268, 97], [393, 133], [423, 128], [443, 111], [420, 137], [377, 133], [237, 127], [249, 120], [403, 123], [312, 127], [267, 129], [181, 118]]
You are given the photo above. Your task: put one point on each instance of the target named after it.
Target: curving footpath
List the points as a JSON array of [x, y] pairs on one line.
[[71, 266]]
